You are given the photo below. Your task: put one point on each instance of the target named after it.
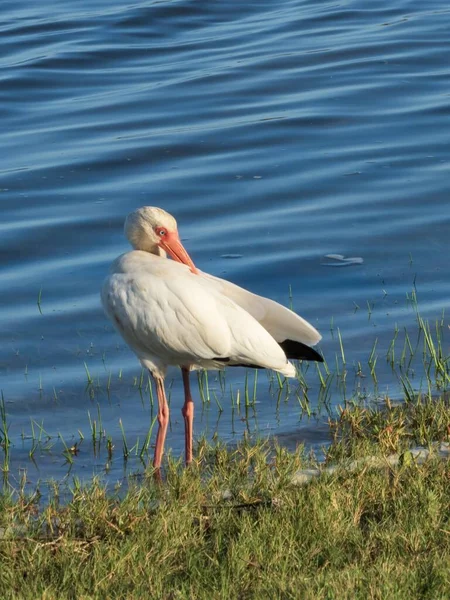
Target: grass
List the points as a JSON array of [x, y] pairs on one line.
[[234, 526], [389, 428]]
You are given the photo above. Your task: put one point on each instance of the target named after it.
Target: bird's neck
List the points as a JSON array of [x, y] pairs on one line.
[[160, 252], [156, 250]]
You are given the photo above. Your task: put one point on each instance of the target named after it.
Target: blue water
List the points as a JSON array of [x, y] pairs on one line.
[[276, 131]]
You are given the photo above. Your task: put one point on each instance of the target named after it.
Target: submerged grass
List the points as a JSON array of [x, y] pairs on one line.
[[234, 526]]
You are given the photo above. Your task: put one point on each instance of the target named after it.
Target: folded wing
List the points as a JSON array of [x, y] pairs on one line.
[[291, 331], [179, 320]]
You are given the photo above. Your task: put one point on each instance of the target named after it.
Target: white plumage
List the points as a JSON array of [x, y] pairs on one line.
[[279, 321], [170, 313], [170, 316]]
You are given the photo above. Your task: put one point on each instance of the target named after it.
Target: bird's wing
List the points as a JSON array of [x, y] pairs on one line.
[[181, 320], [282, 324]]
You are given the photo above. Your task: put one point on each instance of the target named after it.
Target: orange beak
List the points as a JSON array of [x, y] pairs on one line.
[[175, 249]]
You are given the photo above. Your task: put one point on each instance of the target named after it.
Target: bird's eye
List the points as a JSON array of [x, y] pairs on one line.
[[162, 232]]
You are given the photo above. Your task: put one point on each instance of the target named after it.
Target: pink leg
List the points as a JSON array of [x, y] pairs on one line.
[[188, 414], [163, 420]]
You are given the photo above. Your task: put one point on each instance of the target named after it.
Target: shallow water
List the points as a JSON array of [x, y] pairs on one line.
[[277, 132]]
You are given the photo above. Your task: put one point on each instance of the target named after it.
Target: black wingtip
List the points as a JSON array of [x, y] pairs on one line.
[[225, 361], [300, 351]]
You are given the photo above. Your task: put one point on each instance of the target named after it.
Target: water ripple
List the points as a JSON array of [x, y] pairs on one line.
[[276, 131]]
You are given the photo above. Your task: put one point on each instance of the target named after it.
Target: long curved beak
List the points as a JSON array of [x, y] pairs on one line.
[[175, 249]]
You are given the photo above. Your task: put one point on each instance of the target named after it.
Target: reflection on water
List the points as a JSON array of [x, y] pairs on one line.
[[277, 132]]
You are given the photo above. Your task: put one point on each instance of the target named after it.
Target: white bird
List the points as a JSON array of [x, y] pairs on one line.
[[171, 313]]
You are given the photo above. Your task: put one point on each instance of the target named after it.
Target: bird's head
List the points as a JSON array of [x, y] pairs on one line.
[[151, 229]]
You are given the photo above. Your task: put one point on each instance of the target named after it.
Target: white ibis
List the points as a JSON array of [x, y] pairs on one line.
[[171, 313]]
